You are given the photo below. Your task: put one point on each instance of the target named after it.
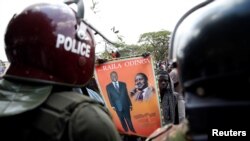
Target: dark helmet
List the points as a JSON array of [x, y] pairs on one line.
[[49, 42], [211, 45]]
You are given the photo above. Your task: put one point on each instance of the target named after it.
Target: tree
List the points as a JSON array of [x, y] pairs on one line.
[[130, 50], [155, 43]]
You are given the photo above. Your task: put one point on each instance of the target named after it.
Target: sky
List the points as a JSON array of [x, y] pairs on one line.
[[131, 17]]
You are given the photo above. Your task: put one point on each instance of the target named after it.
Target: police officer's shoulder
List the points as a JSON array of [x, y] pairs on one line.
[[90, 122]]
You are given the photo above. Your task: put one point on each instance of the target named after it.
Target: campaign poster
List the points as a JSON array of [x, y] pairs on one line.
[[129, 89]]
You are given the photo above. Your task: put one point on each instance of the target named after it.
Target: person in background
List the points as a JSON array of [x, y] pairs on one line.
[[169, 101], [2, 68], [175, 77], [89, 92], [163, 66], [178, 90], [115, 54]]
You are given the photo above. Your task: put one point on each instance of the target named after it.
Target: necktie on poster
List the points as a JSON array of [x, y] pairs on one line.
[[117, 86], [140, 97]]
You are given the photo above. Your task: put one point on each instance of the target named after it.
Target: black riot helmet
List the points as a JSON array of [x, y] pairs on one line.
[[211, 45]]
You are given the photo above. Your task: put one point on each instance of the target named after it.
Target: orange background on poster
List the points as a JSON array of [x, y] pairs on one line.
[[145, 115]]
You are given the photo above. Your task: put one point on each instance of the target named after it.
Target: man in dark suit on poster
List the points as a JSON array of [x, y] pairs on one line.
[[120, 101]]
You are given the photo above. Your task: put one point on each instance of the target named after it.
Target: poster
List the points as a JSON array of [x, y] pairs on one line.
[[129, 89]]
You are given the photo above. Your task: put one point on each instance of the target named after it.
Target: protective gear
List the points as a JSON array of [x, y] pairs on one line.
[[25, 96], [214, 45], [50, 43], [212, 48], [63, 116]]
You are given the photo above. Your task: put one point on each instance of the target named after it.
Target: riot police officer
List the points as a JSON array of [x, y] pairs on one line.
[[51, 51], [211, 46]]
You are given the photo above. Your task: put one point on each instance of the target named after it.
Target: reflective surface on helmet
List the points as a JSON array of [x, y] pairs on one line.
[[213, 42], [42, 45], [172, 46]]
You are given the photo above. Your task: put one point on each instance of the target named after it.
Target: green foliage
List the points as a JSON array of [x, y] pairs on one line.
[[105, 55], [129, 50], [156, 43]]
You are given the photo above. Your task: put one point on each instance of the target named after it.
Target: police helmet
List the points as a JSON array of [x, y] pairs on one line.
[[50, 43], [211, 45]]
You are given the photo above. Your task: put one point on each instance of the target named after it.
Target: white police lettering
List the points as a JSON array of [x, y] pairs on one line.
[[72, 45]]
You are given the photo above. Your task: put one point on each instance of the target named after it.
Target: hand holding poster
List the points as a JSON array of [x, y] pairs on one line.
[[129, 90]]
